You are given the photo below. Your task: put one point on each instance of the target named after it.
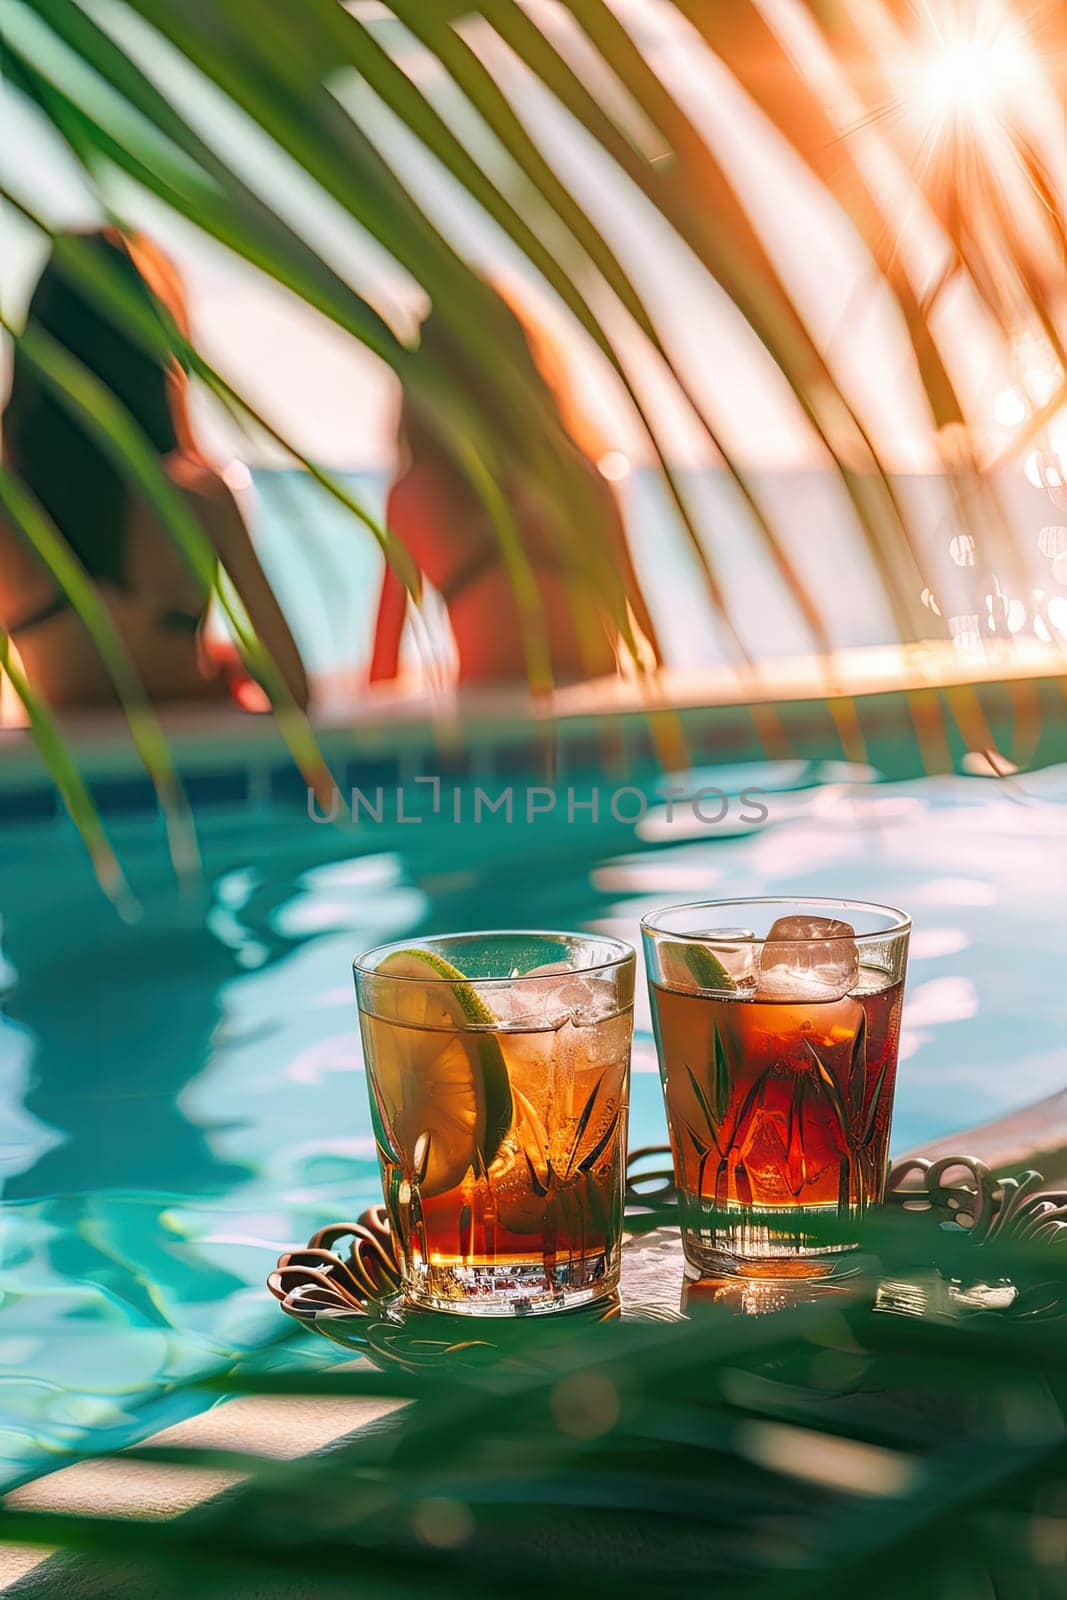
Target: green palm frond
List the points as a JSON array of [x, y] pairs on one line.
[[120, 435], [70, 785], [31, 521], [158, 333], [826, 79], [803, 1452]]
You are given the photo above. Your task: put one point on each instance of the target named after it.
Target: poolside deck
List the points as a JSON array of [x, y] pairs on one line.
[[901, 712]]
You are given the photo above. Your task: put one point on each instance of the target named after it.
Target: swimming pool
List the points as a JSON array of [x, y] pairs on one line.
[[184, 1097]]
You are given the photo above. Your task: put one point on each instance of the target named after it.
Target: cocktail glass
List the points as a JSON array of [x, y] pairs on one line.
[[777, 1024], [498, 1072]]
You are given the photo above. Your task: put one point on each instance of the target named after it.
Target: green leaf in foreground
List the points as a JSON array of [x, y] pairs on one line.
[[41, 535], [825, 1448], [71, 786]]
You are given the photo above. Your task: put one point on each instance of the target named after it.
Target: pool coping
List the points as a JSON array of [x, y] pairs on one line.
[[887, 713]]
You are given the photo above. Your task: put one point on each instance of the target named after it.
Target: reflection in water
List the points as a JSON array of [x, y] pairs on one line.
[[109, 1300], [120, 1028], [756, 1297]]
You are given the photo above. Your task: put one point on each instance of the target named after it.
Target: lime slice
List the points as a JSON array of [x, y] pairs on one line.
[[446, 1084], [688, 966]]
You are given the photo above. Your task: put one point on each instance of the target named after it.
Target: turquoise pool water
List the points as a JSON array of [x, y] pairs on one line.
[[183, 1098]]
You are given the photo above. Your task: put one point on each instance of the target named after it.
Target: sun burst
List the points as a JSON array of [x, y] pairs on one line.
[[971, 64]]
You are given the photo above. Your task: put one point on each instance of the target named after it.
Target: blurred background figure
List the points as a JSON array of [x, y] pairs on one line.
[[437, 514], [156, 603]]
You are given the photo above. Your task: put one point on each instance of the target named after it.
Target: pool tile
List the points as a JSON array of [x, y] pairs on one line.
[[226, 788], [133, 796], [372, 772], [36, 803]]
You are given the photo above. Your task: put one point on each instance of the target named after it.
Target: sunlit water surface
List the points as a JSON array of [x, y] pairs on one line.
[[184, 1098]]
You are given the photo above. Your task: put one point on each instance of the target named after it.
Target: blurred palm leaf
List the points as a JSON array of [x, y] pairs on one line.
[[31, 522], [122, 437], [828, 77], [69, 783], [803, 1452]]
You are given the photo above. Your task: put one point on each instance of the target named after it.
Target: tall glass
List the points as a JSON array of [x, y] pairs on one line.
[[498, 1070], [777, 1024]]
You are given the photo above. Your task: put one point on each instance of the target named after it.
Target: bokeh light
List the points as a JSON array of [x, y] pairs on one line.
[[614, 466], [1011, 408]]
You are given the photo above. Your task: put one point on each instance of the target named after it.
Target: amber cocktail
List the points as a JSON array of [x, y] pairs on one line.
[[498, 1073], [777, 1025]]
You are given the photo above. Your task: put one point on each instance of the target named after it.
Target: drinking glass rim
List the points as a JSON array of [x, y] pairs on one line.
[[650, 925], [623, 952]]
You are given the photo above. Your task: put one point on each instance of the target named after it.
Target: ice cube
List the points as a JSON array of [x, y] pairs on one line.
[[549, 996], [504, 1002], [592, 999], [546, 1055], [808, 958], [580, 999], [528, 1000]]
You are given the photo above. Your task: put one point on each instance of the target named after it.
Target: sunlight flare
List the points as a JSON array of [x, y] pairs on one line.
[[977, 63]]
